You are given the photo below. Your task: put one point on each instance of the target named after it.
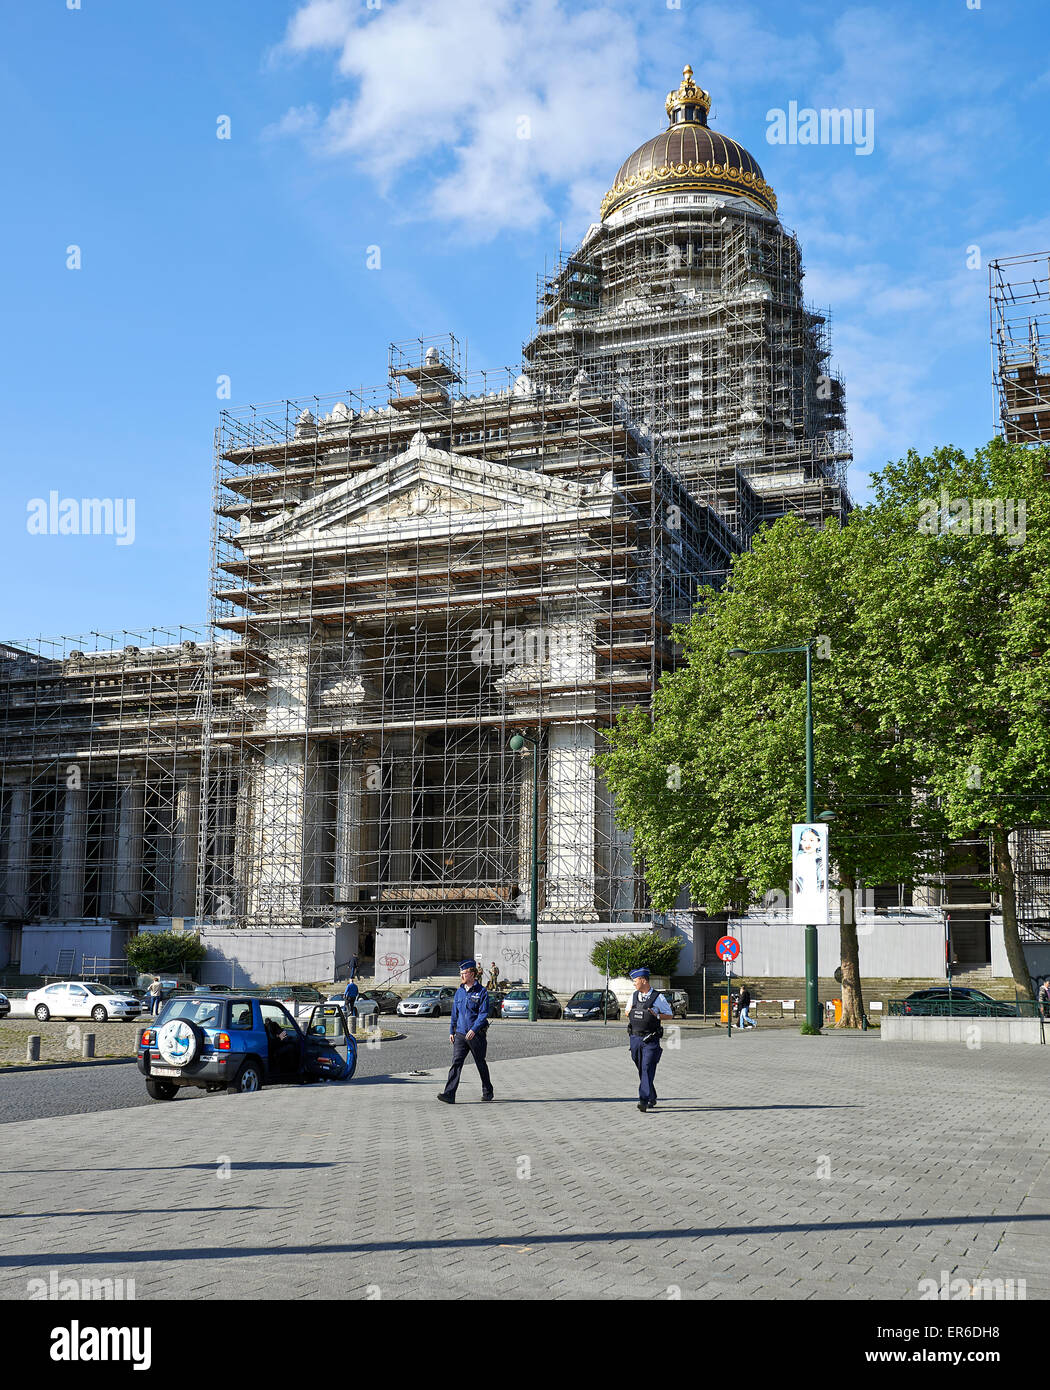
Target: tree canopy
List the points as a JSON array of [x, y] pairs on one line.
[[154, 951], [929, 695]]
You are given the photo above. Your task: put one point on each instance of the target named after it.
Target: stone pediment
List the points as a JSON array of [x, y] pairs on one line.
[[431, 489]]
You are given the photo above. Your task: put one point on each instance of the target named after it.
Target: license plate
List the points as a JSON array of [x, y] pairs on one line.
[[164, 1071]]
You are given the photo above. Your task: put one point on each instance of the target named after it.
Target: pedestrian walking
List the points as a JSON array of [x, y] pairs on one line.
[[156, 989], [1044, 998], [746, 1021], [350, 999], [468, 1032], [644, 1031]]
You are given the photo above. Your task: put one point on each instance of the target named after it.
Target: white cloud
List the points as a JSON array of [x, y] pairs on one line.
[[486, 105], [429, 101]]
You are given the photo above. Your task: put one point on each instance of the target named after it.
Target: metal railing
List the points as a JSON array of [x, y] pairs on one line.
[[962, 1007]]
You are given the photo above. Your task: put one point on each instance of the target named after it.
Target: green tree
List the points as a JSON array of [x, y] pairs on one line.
[[619, 955], [154, 952], [957, 618], [712, 780]]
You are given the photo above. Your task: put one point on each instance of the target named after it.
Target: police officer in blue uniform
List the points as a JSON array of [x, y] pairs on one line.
[[644, 1033], [469, 1031]]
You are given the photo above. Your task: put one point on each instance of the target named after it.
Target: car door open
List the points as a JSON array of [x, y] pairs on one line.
[[331, 1048]]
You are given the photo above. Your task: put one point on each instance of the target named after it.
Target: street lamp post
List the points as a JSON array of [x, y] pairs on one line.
[[813, 1018], [517, 743]]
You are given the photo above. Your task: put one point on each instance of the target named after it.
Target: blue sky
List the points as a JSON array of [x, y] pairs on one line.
[[395, 123]]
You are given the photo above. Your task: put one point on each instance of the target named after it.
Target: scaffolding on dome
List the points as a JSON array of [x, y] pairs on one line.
[[1019, 307], [694, 315]]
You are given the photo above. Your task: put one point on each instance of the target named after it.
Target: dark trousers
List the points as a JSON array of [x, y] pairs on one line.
[[645, 1057], [477, 1046]]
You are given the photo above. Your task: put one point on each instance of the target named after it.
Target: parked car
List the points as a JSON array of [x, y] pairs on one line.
[[431, 1001], [300, 993], [593, 1003], [296, 998], [516, 1004], [944, 1001], [366, 1008], [81, 999], [5, 1006], [235, 1043], [386, 1001], [678, 999]]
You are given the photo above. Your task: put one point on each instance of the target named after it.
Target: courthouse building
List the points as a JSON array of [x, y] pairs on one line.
[[402, 580]]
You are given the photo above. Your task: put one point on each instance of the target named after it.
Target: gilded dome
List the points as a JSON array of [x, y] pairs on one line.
[[689, 155]]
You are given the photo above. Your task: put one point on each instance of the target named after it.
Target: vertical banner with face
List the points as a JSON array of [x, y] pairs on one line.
[[809, 875]]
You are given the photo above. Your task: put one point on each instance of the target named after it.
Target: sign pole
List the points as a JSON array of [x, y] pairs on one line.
[[727, 948]]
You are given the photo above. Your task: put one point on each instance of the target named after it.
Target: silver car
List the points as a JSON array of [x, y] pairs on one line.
[[429, 1002]]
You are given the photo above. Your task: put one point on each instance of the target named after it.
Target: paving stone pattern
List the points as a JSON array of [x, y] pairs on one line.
[[776, 1166]]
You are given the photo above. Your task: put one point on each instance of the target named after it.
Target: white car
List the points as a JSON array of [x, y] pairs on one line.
[[365, 1007], [81, 999]]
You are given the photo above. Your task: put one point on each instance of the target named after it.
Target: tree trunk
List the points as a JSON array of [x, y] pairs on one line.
[[1004, 867], [849, 950]]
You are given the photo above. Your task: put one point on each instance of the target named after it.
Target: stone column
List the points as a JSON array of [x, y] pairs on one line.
[[127, 868], [570, 880], [16, 853], [276, 876], [72, 854], [616, 864], [399, 804], [571, 789], [926, 895], [348, 809], [280, 786], [185, 825]]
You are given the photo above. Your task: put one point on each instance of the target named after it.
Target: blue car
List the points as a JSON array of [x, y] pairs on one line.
[[237, 1044]]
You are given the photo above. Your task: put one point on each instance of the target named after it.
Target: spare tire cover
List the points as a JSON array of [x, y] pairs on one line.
[[179, 1042]]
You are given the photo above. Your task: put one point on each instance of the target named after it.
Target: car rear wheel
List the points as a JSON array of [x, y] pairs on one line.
[[160, 1090], [249, 1080], [42, 1012], [98, 1013]]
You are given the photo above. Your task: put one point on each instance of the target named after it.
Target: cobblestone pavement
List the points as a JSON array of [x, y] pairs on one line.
[[776, 1166]]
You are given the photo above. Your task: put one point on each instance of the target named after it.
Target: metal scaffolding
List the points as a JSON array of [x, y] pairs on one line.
[[100, 743], [1019, 305], [414, 573], [694, 315]]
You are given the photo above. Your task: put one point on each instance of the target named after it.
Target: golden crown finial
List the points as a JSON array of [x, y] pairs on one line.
[[688, 94]]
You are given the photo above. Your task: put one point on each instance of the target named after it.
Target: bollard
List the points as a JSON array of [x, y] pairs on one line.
[[33, 1047], [87, 1047]]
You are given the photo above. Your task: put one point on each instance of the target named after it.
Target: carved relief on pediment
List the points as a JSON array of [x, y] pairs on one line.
[[423, 500]]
